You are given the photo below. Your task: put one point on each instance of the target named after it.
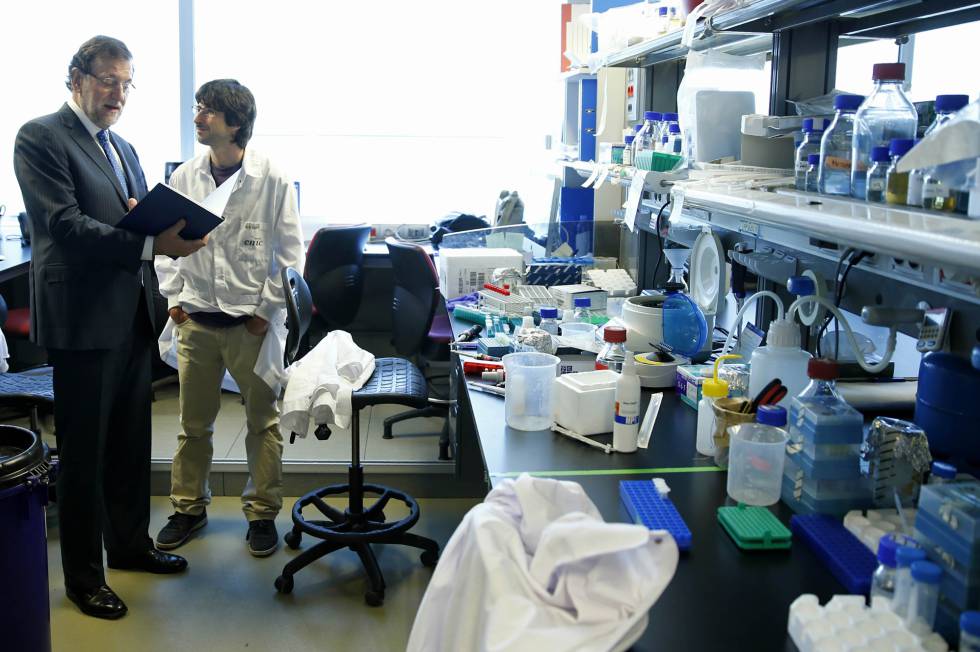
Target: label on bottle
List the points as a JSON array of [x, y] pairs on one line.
[[627, 413], [876, 183], [837, 163]]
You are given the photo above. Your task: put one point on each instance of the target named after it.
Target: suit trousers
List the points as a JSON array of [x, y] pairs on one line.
[[203, 354], [102, 422]]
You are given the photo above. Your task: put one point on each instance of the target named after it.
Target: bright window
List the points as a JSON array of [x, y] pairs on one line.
[[854, 64], [391, 111], [38, 48], [942, 62]]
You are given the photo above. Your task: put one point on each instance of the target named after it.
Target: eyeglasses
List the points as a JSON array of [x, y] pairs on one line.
[[113, 83], [200, 108]]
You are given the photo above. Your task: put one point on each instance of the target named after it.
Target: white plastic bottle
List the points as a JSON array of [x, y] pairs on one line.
[[626, 416], [711, 390], [780, 358]]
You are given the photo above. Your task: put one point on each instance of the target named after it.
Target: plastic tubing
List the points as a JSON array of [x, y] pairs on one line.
[[745, 306], [871, 369]]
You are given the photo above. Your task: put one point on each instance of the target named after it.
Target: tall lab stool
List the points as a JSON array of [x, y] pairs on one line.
[[394, 381]]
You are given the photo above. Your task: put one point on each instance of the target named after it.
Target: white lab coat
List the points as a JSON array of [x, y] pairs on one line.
[[535, 568], [238, 272], [320, 384]]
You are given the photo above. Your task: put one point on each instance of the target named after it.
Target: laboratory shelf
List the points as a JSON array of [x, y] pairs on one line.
[[747, 28], [947, 240]]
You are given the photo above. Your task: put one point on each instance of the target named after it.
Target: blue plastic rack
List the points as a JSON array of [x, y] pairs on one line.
[[647, 507], [847, 558]]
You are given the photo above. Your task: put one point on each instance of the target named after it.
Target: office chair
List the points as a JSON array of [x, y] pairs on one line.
[[419, 324], [334, 272], [394, 381], [26, 391]]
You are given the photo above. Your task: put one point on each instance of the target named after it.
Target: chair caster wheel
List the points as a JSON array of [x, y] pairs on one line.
[[284, 584], [293, 539], [374, 598], [429, 559]]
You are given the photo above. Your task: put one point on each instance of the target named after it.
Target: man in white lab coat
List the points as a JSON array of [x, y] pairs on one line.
[[222, 300]]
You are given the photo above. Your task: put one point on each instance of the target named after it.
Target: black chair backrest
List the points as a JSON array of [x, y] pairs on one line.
[[415, 298], [334, 272], [299, 312]]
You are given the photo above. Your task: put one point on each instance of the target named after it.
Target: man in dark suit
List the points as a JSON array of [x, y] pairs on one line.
[[91, 289]]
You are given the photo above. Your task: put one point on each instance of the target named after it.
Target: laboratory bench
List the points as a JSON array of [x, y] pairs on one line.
[[720, 596]]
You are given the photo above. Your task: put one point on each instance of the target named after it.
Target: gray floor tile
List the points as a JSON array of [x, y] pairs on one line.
[[226, 600], [414, 440]]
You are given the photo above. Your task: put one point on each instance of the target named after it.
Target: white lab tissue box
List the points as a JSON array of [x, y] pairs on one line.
[[584, 402], [462, 271]]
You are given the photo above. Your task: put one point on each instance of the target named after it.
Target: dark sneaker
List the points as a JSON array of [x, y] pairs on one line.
[[179, 529], [262, 537]]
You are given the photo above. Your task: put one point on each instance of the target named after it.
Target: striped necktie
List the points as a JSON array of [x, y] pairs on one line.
[[103, 138]]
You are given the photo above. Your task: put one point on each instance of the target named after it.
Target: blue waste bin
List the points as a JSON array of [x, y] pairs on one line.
[[25, 617]]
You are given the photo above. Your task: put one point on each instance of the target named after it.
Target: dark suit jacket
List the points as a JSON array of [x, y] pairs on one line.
[[84, 278]]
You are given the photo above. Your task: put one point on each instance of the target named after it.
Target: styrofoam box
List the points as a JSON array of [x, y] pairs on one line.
[[584, 402], [462, 271], [565, 296]]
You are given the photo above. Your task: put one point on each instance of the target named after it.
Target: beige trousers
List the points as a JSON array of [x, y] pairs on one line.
[[203, 354]]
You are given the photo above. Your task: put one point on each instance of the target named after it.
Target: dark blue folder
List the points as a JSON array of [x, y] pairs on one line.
[[162, 207]]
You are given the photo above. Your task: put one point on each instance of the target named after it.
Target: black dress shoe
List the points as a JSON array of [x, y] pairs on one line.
[[100, 602], [151, 561]]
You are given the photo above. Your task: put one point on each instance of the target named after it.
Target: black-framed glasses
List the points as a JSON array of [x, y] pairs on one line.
[[200, 108], [113, 83]]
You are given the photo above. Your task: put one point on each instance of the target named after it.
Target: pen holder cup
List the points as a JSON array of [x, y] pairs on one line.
[[530, 387], [727, 413]]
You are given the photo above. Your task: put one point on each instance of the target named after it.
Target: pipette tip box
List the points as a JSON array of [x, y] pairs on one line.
[[841, 552], [647, 507], [754, 528]]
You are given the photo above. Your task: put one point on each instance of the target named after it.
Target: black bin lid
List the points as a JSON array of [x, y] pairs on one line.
[[21, 452]]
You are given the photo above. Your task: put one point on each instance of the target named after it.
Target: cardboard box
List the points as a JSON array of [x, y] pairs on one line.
[[549, 274], [565, 296], [689, 381], [462, 271]]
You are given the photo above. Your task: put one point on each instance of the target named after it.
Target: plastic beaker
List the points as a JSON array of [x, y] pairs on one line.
[[530, 387], [755, 463]]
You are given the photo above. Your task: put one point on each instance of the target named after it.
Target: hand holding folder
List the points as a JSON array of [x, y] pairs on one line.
[[163, 207]]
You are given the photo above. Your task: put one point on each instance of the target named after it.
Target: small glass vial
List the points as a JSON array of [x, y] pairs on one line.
[[812, 172], [904, 557], [924, 597], [942, 473], [549, 320], [488, 330], [897, 183], [628, 151], [583, 310], [883, 579], [970, 631], [613, 353], [877, 174]]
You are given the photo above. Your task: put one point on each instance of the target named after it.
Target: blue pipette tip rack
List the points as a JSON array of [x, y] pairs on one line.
[[647, 507], [842, 553]]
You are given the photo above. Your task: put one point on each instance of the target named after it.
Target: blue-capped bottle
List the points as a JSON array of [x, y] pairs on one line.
[[877, 174], [834, 176], [809, 145], [897, 183], [812, 173], [886, 115], [927, 190], [647, 135]]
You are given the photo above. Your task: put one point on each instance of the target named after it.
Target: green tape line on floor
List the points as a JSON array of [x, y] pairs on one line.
[[666, 469]]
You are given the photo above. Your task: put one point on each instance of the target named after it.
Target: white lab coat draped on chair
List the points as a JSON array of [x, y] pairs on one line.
[[320, 384], [534, 567]]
